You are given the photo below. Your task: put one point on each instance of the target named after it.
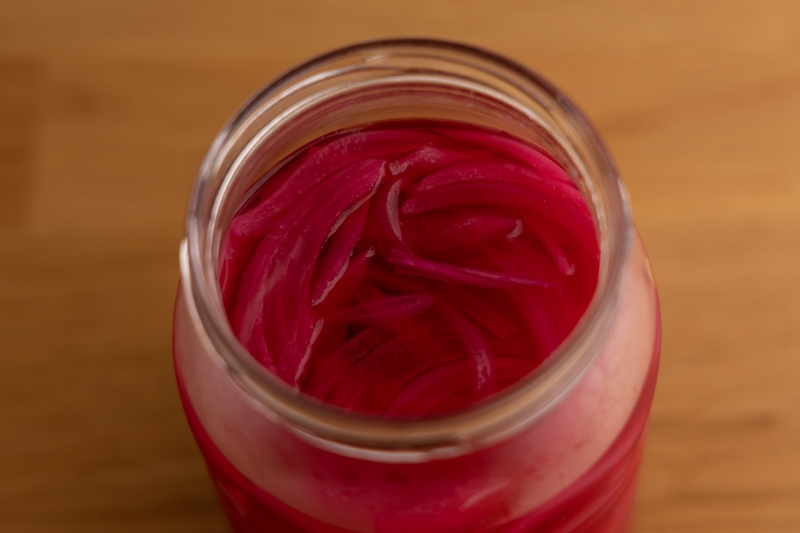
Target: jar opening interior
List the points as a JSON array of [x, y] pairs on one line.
[[245, 154]]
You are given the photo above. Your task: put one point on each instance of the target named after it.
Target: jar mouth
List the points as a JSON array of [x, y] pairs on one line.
[[382, 63]]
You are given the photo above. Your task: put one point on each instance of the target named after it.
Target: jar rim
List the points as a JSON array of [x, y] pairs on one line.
[[444, 434]]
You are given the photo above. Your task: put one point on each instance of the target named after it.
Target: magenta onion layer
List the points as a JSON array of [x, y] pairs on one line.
[[409, 268]]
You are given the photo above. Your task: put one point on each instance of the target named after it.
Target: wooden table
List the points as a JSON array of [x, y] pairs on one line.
[[106, 109]]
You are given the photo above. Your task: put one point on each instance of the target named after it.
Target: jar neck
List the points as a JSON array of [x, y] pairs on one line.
[[382, 81]]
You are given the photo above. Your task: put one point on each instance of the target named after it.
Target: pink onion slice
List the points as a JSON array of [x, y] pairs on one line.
[[477, 350], [507, 197], [446, 234], [345, 284], [449, 377], [409, 264], [341, 245], [429, 158], [505, 146], [509, 172], [388, 309]]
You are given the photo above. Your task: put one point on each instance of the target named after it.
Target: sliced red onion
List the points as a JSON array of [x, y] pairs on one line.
[[409, 268], [406, 263]]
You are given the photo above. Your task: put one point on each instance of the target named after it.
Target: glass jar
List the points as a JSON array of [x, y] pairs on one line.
[[556, 452]]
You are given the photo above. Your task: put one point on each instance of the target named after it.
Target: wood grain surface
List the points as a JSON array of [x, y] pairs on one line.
[[107, 107]]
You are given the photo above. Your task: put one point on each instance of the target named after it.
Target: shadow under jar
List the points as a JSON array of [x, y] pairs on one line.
[[412, 299]]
